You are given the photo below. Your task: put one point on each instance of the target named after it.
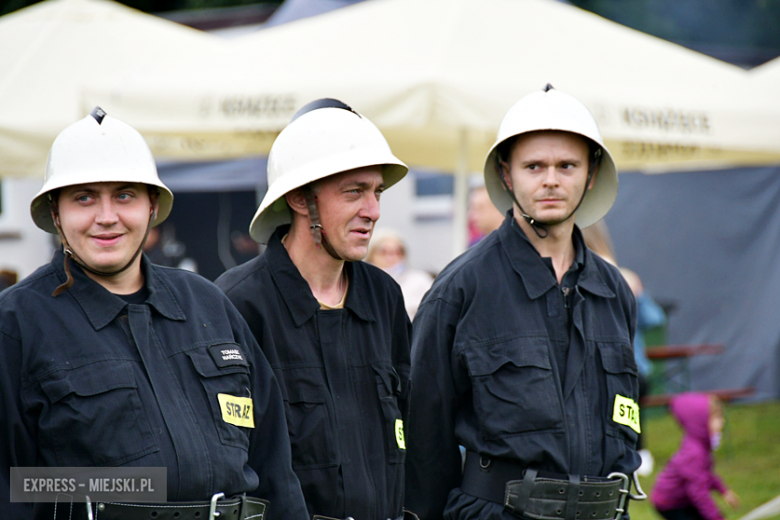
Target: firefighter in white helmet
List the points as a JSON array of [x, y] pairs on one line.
[[334, 329], [108, 360], [522, 347]]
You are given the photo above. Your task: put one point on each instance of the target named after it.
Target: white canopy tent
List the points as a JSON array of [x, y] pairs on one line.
[[768, 69], [51, 50], [766, 78], [429, 71], [437, 77]]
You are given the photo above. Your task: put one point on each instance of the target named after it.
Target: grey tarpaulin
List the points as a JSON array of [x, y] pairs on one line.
[[247, 174], [710, 242]]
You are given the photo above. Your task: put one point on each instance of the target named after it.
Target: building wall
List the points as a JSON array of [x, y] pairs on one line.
[[425, 223], [23, 247]]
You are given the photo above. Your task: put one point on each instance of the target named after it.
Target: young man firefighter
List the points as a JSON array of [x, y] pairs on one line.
[[522, 348], [109, 360], [334, 329]]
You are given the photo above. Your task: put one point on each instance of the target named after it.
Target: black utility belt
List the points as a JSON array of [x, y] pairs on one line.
[[234, 508], [526, 492], [320, 517]]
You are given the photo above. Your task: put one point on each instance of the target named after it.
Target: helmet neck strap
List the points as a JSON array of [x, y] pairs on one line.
[[69, 253], [539, 228], [317, 231]]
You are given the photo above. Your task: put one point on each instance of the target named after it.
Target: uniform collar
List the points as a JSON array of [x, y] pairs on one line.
[[295, 291], [102, 307], [536, 276]]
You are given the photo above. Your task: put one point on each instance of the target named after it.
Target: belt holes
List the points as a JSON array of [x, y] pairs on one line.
[[561, 491], [153, 514], [581, 493], [579, 513], [597, 493], [176, 514], [235, 511], [197, 514], [610, 493], [559, 511], [593, 514], [606, 514]]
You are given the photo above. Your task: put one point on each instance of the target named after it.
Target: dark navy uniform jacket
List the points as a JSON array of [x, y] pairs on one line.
[[344, 374], [87, 379], [485, 376]]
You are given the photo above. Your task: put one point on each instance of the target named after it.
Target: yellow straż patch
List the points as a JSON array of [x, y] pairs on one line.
[[237, 410], [626, 412], [399, 434]]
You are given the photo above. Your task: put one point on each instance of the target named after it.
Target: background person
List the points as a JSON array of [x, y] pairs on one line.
[[522, 347], [107, 360], [334, 328], [682, 489], [387, 251], [483, 216], [8, 278]]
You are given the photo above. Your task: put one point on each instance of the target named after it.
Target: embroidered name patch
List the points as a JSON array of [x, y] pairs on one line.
[[227, 354], [237, 410], [626, 412], [399, 434]]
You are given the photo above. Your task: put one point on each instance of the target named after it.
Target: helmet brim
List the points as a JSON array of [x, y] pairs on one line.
[[273, 211], [40, 209]]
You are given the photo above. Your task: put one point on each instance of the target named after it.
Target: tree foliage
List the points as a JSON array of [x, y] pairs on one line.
[[728, 23], [734, 23], [149, 6]]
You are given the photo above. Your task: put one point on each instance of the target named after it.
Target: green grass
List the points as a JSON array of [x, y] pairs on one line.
[[748, 460]]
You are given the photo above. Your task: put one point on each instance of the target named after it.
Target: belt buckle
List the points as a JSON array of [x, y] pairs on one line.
[[213, 513], [624, 492], [89, 508]]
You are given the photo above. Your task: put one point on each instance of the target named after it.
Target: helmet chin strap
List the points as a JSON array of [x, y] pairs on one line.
[[540, 228], [69, 253], [317, 231]]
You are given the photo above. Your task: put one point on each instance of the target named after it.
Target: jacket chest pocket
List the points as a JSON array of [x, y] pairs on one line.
[[228, 394], [514, 388], [312, 433], [94, 416], [622, 385], [389, 390]]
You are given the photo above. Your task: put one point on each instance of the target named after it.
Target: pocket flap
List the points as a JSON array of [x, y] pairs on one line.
[[206, 366], [92, 379], [305, 394], [521, 352], [617, 358], [387, 377]]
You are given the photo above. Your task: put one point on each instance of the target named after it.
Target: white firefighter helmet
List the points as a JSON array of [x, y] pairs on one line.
[[555, 110], [98, 148], [325, 137]]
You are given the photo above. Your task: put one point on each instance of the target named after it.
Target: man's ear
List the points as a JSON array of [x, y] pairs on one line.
[[297, 202], [505, 174], [55, 216], [593, 177]]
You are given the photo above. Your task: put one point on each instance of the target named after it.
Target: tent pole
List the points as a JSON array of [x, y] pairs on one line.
[[460, 196]]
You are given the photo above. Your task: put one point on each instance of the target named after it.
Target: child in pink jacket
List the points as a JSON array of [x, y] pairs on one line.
[[682, 490]]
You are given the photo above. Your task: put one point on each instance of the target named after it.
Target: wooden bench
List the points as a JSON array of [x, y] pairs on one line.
[[676, 378], [683, 351], [674, 375], [725, 394]]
